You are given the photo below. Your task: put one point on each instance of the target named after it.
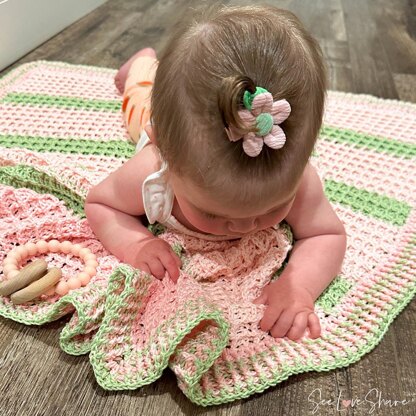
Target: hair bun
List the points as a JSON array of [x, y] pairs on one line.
[[230, 100]]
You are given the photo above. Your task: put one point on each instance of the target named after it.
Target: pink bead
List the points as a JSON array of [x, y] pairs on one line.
[[14, 255], [76, 249], [84, 278], [66, 247], [90, 270], [8, 268], [50, 291], [22, 251], [84, 252], [31, 248], [90, 257], [42, 246], [9, 260], [62, 288], [91, 263], [54, 246], [74, 283]]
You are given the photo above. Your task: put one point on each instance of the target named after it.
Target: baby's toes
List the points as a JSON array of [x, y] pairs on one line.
[[119, 82]]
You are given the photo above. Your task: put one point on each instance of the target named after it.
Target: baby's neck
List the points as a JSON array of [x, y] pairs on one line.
[[178, 214]]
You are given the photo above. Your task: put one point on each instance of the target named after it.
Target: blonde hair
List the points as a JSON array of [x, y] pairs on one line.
[[207, 64]]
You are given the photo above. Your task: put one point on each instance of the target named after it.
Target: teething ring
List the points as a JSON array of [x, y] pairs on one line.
[[38, 287], [11, 269]]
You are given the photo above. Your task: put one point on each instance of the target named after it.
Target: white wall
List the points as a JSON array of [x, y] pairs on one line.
[[25, 24]]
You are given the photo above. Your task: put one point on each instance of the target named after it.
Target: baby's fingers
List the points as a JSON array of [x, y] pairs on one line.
[[144, 267], [177, 259], [298, 327], [170, 264], [156, 268], [314, 326], [271, 315], [284, 323]]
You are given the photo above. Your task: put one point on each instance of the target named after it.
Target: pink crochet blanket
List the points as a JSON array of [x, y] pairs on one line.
[[61, 132]]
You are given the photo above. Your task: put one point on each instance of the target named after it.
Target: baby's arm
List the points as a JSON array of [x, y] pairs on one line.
[[113, 208], [315, 260], [321, 240]]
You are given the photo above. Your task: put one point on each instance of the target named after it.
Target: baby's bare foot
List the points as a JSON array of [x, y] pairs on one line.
[[120, 78]]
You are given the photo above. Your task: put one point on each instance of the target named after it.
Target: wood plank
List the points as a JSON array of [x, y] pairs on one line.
[[371, 71], [396, 23], [323, 18], [337, 58], [406, 86], [376, 376], [325, 21], [403, 333], [300, 394]]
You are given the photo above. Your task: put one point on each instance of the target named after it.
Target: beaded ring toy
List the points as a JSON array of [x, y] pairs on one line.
[[11, 269]]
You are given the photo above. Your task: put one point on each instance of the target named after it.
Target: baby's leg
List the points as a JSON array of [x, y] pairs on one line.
[[137, 94], [121, 76]]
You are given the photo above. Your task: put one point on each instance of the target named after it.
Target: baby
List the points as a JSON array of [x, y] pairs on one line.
[[225, 124]]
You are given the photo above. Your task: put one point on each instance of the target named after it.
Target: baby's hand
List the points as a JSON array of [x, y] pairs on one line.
[[289, 312], [154, 256]]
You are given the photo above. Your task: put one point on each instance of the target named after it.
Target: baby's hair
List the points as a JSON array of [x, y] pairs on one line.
[[212, 57]]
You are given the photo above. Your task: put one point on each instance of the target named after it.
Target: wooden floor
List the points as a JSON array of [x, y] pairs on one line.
[[370, 47]]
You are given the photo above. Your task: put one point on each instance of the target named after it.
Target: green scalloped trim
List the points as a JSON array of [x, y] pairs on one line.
[[194, 393], [24, 176], [181, 324], [350, 356]]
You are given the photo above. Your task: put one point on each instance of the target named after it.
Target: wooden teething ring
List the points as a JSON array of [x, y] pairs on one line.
[[37, 287], [16, 279]]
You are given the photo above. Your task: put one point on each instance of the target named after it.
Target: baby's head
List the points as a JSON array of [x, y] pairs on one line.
[[207, 65]]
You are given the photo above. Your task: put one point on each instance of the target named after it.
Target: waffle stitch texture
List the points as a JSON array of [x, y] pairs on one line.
[[61, 132]]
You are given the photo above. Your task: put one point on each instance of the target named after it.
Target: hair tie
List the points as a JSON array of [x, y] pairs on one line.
[[266, 114]]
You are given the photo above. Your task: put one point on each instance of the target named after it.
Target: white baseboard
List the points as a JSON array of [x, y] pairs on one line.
[[26, 24]]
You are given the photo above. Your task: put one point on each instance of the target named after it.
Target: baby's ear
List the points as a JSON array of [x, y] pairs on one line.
[[150, 132]]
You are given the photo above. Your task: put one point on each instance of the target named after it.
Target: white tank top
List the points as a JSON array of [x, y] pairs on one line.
[[158, 198]]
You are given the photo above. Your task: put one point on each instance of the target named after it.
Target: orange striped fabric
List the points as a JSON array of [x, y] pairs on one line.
[[137, 95]]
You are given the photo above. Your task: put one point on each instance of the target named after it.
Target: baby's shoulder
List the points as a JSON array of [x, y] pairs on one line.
[[140, 166], [309, 184], [147, 160], [305, 188], [122, 189]]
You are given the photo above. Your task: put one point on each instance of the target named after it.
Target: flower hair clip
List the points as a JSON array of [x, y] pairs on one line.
[[267, 114]]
